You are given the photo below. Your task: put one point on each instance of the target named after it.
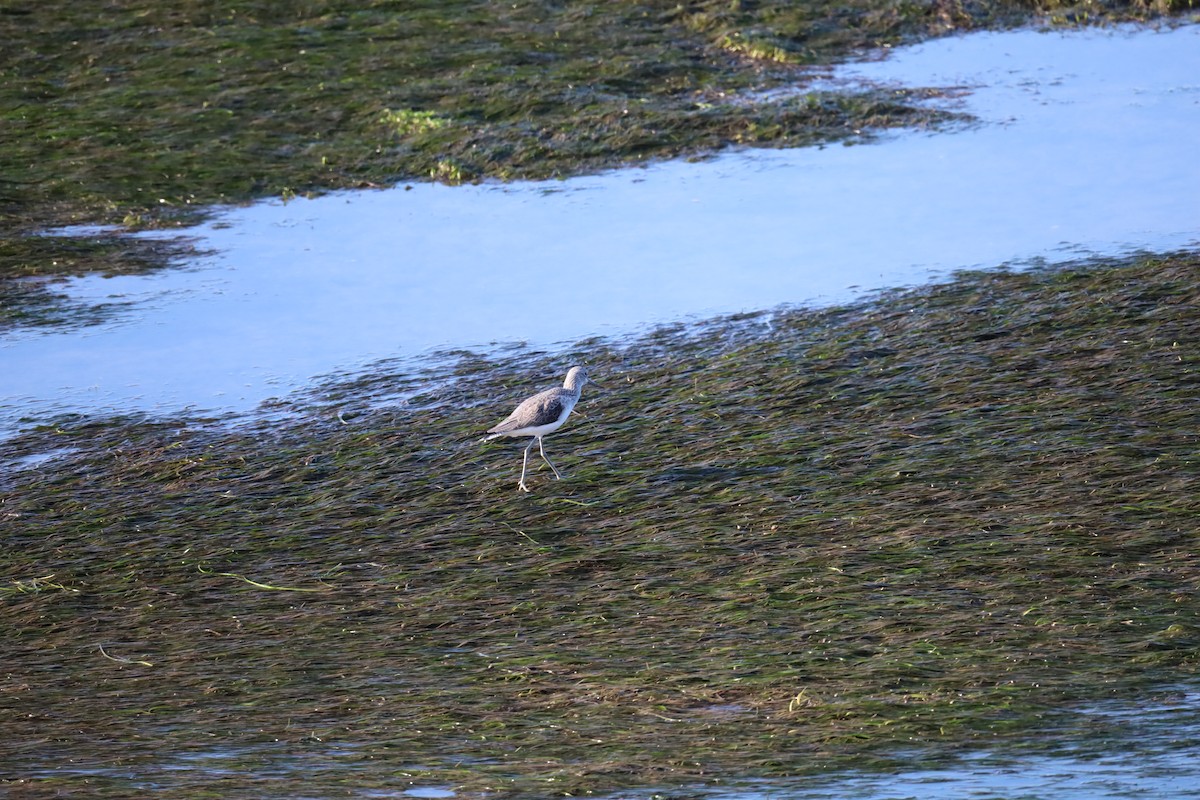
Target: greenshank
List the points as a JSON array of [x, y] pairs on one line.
[[542, 414]]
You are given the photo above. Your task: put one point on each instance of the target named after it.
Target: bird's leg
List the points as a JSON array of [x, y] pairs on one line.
[[542, 447], [524, 464]]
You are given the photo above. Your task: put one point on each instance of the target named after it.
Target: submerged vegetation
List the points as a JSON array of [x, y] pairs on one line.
[[30, 266], [930, 521]]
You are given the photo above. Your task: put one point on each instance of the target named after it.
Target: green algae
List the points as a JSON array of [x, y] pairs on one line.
[[934, 520]]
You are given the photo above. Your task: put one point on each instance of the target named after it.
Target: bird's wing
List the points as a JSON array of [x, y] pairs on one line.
[[541, 409]]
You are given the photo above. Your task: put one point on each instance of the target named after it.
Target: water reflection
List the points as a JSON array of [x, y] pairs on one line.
[[1086, 145]]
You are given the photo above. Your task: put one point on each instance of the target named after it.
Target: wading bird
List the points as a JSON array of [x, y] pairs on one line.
[[542, 414]]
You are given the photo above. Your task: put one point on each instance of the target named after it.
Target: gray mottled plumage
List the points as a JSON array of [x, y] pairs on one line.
[[542, 414], [544, 408]]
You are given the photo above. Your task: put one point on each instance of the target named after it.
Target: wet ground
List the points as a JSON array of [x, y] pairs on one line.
[[1144, 751], [835, 549]]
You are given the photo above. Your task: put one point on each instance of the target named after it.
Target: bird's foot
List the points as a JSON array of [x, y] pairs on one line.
[[522, 486]]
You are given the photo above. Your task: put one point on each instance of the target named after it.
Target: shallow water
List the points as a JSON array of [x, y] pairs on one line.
[[1106, 752], [1086, 145], [1117, 751]]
